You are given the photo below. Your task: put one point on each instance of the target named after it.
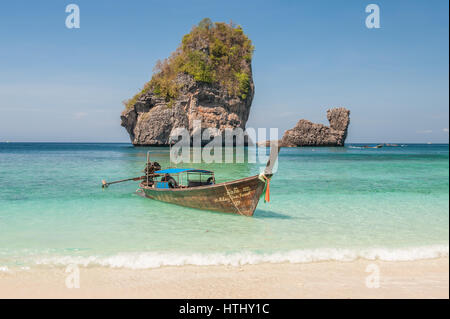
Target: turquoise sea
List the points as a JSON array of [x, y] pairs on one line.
[[326, 204]]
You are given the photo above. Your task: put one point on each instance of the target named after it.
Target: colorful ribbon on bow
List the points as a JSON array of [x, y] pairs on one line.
[[266, 189]]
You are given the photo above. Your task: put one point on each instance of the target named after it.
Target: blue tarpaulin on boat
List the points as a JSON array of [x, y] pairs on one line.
[[181, 170], [162, 185]]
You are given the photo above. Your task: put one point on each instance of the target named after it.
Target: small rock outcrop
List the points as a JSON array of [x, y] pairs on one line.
[[306, 133], [207, 79]]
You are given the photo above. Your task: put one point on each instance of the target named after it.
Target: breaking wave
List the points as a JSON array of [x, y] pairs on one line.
[[4, 269], [146, 260]]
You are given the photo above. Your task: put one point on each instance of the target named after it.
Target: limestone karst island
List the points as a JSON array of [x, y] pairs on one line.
[[209, 78]]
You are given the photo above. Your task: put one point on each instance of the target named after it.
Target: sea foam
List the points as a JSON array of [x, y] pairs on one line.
[[4, 269], [146, 260]]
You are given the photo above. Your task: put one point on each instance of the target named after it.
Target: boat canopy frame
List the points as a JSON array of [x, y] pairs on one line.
[[175, 173], [194, 177], [175, 170]]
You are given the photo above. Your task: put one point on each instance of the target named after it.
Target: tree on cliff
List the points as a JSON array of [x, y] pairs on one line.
[[211, 53]]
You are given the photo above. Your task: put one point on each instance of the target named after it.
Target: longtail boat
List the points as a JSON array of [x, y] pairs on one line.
[[196, 188]]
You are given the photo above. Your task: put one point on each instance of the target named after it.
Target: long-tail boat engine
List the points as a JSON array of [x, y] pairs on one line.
[[150, 169]]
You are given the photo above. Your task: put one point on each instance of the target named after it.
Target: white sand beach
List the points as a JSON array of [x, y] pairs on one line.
[[409, 279]]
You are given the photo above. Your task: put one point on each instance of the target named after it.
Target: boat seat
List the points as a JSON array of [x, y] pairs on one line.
[[197, 183]]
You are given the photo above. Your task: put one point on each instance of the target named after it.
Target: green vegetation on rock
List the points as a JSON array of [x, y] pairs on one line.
[[211, 53]]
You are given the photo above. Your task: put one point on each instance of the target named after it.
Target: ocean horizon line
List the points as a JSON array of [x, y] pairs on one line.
[[100, 142]]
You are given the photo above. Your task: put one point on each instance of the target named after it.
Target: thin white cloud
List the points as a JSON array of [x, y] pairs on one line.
[[445, 130]]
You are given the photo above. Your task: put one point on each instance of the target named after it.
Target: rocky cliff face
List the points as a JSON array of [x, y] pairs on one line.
[[306, 133], [151, 120], [207, 79]]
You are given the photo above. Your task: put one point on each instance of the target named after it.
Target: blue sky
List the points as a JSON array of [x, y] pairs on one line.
[[59, 84]]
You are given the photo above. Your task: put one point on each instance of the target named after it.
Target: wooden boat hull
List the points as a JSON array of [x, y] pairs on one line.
[[238, 197]]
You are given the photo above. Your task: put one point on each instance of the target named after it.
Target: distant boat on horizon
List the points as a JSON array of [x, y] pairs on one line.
[[376, 146]]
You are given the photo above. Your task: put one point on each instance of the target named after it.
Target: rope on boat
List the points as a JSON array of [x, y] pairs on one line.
[[231, 198], [266, 189]]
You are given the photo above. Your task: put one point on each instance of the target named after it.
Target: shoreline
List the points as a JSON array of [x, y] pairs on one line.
[[427, 278]]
